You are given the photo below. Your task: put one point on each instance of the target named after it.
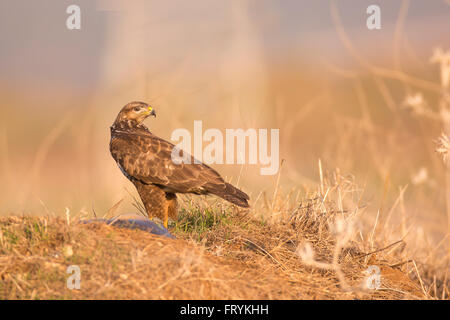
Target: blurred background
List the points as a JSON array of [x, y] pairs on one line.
[[368, 102]]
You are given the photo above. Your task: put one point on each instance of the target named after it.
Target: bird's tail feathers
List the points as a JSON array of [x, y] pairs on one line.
[[232, 194]]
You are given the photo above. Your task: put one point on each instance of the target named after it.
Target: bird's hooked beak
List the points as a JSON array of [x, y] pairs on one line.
[[151, 112]]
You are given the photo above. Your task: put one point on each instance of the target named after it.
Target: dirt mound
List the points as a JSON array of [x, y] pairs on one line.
[[237, 258]]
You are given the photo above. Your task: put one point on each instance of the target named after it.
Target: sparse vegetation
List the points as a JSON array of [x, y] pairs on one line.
[[312, 250]]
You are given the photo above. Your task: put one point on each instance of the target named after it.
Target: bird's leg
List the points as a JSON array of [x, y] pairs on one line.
[[155, 201], [171, 208]]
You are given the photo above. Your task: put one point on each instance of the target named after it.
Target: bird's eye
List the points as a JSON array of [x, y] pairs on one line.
[[136, 109]]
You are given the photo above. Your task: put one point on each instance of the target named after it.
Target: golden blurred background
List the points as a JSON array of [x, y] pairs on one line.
[[368, 102]]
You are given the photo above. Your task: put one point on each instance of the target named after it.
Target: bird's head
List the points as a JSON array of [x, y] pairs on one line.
[[135, 111]]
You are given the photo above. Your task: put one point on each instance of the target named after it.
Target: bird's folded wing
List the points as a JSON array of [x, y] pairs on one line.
[[149, 159]]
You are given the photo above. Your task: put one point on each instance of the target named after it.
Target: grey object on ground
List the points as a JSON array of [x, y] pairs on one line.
[[134, 221]]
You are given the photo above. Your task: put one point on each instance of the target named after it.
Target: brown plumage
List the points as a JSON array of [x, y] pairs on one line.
[[146, 161]]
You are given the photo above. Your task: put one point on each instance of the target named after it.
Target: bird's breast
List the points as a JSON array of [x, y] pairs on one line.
[[124, 172]]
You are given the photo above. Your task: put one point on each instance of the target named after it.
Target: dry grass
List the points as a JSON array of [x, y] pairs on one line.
[[219, 253]]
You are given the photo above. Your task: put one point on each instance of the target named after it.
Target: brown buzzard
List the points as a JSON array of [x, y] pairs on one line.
[[146, 161]]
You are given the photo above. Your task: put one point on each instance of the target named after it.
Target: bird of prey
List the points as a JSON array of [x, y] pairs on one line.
[[146, 160]]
